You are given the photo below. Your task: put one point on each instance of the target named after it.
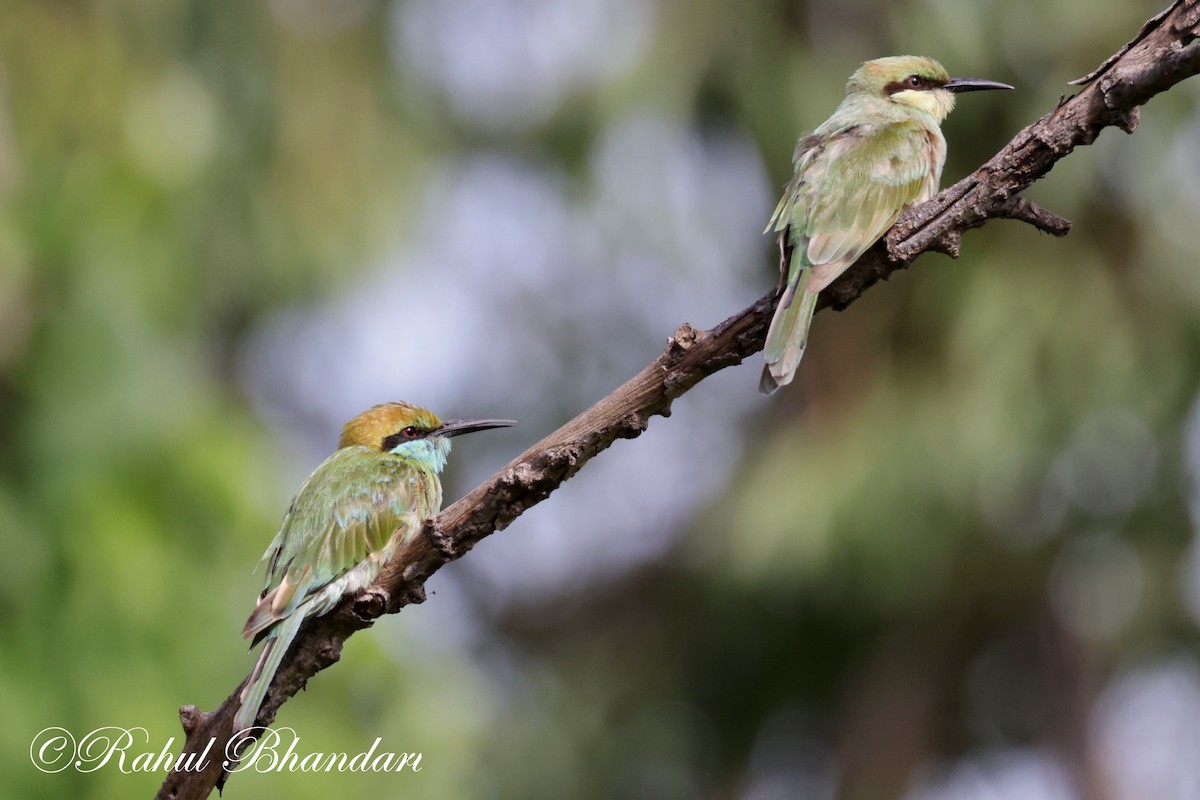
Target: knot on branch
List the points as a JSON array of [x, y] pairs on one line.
[[630, 426], [948, 242], [370, 606], [551, 466], [413, 594], [193, 719], [674, 385], [685, 336], [1121, 107], [1126, 119], [445, 546]]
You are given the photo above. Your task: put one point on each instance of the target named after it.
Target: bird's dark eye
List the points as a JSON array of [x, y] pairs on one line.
[[914, 81], [409, 434]]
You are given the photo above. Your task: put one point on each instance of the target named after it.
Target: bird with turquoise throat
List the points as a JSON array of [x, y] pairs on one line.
[[348, 519], [881, 151]]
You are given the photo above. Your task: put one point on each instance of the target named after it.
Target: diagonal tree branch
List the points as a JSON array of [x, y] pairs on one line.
[[1163, 53]]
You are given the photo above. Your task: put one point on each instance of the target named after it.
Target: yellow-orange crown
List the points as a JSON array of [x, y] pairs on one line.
[[374, 425]]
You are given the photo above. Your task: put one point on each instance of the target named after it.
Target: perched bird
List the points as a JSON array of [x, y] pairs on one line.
[[881, 150], [346, 521]]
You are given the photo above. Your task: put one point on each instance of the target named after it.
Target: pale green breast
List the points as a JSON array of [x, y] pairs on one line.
[[850, 186]]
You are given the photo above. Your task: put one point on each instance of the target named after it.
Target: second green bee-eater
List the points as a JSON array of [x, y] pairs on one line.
[[373, 493], [881, 151]]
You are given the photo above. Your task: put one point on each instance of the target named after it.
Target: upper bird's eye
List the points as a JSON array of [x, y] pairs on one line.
[[410, 432], [914, 81]]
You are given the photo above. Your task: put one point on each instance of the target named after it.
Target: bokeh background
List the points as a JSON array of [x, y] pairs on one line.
[[957, 559]]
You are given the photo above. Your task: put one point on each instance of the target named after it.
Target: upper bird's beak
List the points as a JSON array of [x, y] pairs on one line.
[[457, 427], [957, 85]]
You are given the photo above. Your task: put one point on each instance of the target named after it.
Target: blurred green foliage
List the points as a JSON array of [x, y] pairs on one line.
[[966, 520]]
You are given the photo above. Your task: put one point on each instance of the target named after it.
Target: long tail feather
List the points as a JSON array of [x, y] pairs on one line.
[[276, 644], [788, 334]]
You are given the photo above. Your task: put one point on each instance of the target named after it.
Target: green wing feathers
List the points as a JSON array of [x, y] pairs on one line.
[[849, 187], [363, 501], [332, 540], [864, 184]]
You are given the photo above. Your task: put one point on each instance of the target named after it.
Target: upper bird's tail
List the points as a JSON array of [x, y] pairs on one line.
[[788, 334], [276, 643]]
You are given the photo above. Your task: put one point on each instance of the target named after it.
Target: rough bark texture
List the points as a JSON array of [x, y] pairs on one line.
[[1163, 53]]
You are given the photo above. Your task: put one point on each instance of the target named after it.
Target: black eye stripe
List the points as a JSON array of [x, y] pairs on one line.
[[913, 83], [409, 434]]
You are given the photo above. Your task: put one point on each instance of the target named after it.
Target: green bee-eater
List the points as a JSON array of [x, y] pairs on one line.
[[346, 521], [881, 150]]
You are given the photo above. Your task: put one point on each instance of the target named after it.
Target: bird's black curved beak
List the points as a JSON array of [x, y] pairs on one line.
[[958, 85], [457, 427]]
